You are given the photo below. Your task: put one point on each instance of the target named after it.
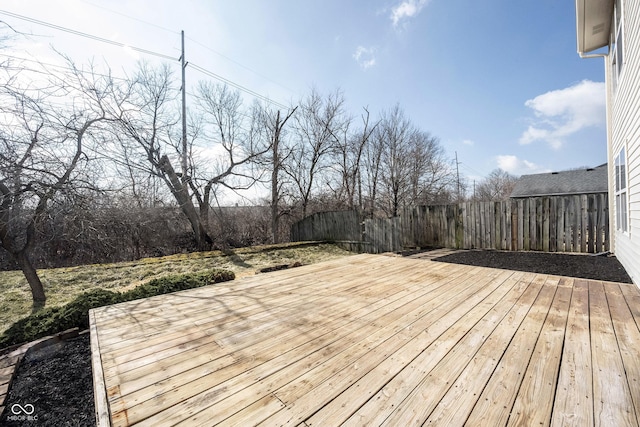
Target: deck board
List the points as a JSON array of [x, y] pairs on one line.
[[574, 392], [496, 401], [534, 401], [611, 395], [374, 340]]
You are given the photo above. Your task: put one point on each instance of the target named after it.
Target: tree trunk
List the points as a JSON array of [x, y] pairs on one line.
[[180, 192], [30, 273], [277, 165], [275, 211], [23, 261]]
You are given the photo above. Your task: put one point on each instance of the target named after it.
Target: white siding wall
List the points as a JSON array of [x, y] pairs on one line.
[[623, 122]]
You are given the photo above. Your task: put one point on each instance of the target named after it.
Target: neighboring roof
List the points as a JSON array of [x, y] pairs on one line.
[[593, 24], [581, 181]]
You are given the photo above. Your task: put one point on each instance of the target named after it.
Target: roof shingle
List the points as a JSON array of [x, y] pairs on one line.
[[582, 181]]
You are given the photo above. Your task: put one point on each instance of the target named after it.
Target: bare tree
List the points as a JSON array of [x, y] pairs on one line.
[[373, 169], [405, 166], [397, 132], [497, 186], [224, 143], [46, 122], [349, 154], [273, 125], [148, 117], [315, 127], [430, 178], [239, 138]]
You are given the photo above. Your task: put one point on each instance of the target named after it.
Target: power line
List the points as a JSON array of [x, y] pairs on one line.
[[86, 35], [235, 85], [192, 40], [62, 67], [146, 51], [470, 169], [241, 65], [71, 70]]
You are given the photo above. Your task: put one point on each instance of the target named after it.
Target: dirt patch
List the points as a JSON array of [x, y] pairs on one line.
[[279, 267], [53, 387], [606, 268]]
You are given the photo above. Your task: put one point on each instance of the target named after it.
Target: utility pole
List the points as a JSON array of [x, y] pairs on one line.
[[184, 114], [458, 176]]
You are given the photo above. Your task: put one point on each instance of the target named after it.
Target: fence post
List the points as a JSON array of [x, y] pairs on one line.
[[514, 224], [605, 210], [584, 222], [526, 238], [560, 228], [459, 212], [591, 225], [480, 223]]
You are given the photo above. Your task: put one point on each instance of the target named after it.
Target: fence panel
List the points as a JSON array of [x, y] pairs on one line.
[[576, 223], [331, 226]]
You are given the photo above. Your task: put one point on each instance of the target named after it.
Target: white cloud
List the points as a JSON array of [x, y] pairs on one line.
[[468, 142], [406, 9], [561, 113], [365, 57], [516, 166]]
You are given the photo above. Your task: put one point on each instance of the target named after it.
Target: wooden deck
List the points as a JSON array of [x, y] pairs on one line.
[[374, 340]]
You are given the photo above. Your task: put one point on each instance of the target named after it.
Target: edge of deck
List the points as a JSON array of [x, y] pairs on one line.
[[99, 387]]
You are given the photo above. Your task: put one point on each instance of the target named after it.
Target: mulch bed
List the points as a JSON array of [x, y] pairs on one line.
[[57, 380], [603, 267], [53, 386]]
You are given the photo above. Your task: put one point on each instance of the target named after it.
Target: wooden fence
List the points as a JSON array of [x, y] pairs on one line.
[[577, 223], [332, 226], [350, 231]]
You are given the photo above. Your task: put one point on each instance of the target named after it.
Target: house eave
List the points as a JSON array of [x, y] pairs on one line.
[[593, 24]]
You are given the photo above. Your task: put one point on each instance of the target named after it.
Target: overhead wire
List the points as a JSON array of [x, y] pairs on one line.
[[149, 52], [190, 39], [234, 85], [86, 35], [240, 65], [470, 169], [47, 64]]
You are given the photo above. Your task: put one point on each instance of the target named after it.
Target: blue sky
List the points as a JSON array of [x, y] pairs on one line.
[[497, 81]]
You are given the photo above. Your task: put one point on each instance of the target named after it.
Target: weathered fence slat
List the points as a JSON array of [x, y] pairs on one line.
[[525, 225], [553, 225], [576, 223], [520, 231], [546, 226], [560, 227]]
